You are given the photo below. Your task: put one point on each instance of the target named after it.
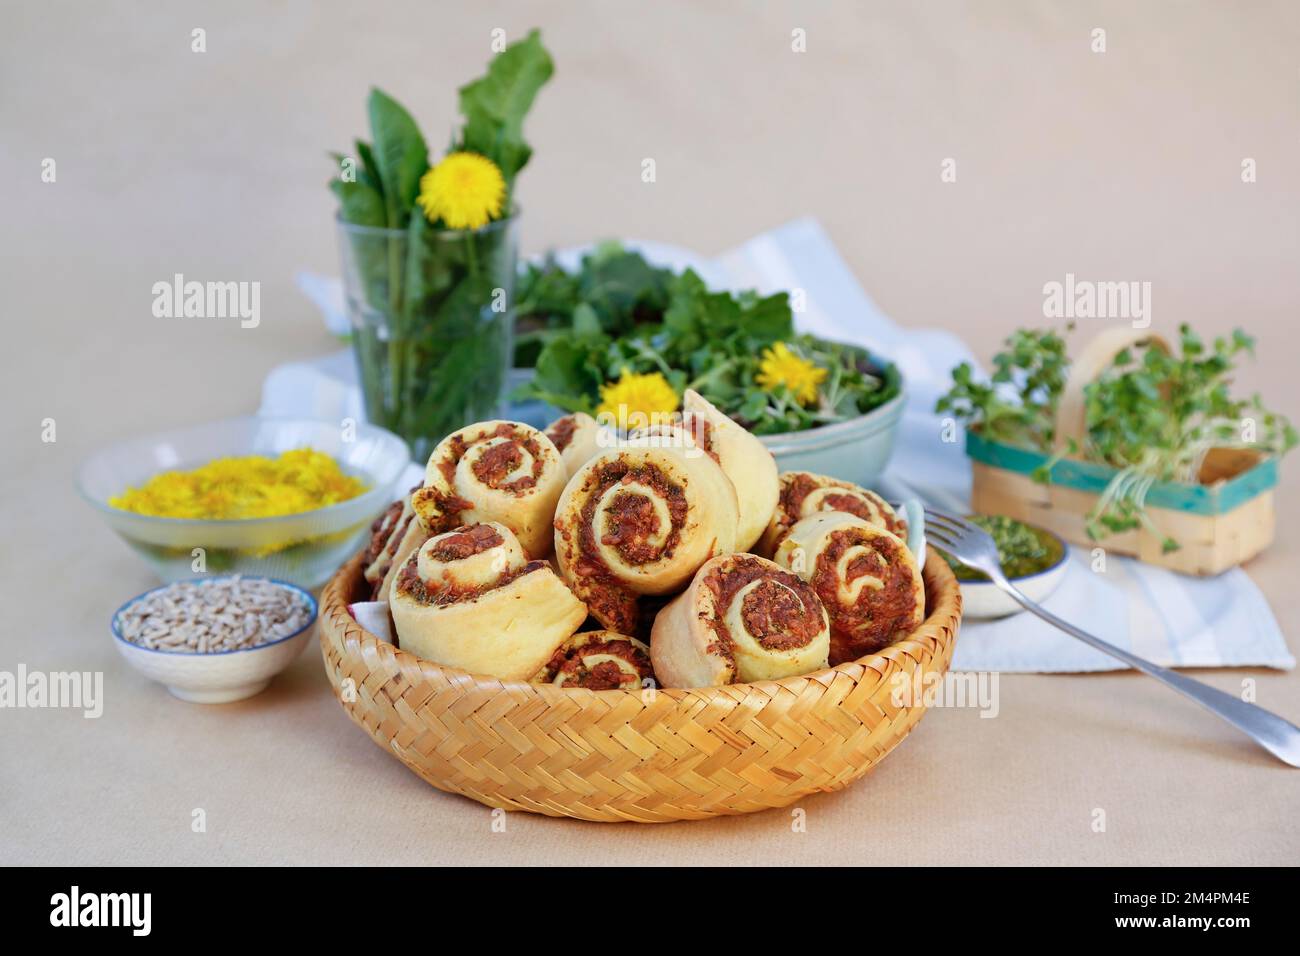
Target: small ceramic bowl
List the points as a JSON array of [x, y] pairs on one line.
[[984, 599], [856, 450], [220, 677]]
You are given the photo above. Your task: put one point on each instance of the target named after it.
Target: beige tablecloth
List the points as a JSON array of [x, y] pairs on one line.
[[1119, 165]]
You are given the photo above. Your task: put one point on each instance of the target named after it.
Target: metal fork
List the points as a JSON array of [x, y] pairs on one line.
[[974, 548]]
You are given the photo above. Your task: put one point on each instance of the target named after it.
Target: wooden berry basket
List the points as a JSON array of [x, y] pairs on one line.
[[1224, 520], [644, 756]]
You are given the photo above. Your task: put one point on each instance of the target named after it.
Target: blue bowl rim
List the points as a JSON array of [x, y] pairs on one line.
[[370, 495], [815, 439], [1065, 556], [311, 602]]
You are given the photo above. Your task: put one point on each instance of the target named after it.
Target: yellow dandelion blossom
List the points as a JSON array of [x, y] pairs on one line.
[[465, 191], [642, 397], [780, 366], [251, 486]]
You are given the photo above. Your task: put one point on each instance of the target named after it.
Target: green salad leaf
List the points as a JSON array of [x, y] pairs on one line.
[[360, 203], [617, 313], [399, 155], [494, 106]]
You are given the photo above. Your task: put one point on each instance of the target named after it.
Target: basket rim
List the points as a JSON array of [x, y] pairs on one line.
[[943, 618]]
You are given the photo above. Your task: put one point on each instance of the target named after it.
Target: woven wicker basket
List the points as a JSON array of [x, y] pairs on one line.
[[646, 756]]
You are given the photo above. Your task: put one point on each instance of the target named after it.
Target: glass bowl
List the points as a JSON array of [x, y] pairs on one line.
[[303, 549]]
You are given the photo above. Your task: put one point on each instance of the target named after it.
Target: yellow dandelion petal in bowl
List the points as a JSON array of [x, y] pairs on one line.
[[780, 366], [465, 191], [644, 397]]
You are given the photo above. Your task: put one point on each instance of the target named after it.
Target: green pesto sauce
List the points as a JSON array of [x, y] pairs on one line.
[[1022, 550]]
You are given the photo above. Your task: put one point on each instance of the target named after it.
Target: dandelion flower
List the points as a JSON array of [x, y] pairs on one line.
[[646, 397], [251, 486], [465, 191], [780, 366]]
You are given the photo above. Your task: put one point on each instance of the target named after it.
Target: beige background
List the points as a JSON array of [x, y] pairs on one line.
[[1123, 165]]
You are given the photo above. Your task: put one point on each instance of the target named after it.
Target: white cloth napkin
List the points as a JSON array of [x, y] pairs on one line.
[[1169, 618]]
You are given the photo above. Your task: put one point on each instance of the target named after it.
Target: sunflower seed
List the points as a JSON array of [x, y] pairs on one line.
[[214, 615]]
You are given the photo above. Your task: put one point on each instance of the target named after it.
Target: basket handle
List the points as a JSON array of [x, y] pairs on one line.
[[1096, 357]]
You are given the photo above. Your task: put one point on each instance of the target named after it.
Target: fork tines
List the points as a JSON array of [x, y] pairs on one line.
[[939, 525]]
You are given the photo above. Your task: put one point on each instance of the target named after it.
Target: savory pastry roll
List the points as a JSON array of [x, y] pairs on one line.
[[866, 577], [637, 521], [743, 618], [744, 459], [578, 438], [469, 598], [493, 471], [803, 493], [393, 536], [598, 660]]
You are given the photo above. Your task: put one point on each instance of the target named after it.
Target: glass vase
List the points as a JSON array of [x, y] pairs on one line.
[[432, 324]]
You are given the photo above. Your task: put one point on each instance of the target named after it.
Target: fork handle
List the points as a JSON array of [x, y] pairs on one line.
[[1279, 737]]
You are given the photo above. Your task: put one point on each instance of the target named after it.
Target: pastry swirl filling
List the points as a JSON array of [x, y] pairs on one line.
[[803, 494], [770, 606], [637, 522], [599, 661], [561, 432], [470, 598], [466, 542], [865, 576], [639, 510], [632, 516], [440, 594], [777, 616], [505, 459], [391, 540], [462, 565], [867, 588], [381, 531], [743, 618], [493, 471]]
